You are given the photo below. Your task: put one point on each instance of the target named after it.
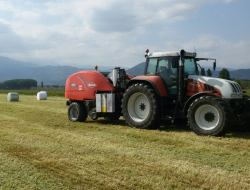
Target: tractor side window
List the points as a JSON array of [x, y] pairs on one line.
[[189, 68], [152, 64], [165, 66]]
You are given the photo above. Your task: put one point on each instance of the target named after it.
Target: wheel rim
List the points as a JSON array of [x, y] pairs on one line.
[[207, 117], [138, 107], [74, 113]]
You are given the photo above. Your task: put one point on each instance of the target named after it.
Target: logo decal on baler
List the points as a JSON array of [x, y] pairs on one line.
[[89, 83], [92, 85]]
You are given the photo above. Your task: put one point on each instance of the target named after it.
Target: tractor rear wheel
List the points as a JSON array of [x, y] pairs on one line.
[[210, 116], [140, 107], [77, 112]]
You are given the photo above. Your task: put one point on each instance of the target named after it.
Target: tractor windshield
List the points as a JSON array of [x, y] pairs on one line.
[[155, 64], [190, 67], [159, 64]]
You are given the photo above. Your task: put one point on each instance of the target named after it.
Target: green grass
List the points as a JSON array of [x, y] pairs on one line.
[[41, 149], [247, 92]]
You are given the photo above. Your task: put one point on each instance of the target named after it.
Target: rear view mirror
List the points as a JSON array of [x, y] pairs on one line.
[[214, 65], [174, 63]]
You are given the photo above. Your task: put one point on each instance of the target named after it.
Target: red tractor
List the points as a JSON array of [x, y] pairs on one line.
[[170, 89]]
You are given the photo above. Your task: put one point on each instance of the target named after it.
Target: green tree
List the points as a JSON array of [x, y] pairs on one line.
[[18, 84], [224, 74], [42, 84], [239, 82], [203, 73], [209, 73]]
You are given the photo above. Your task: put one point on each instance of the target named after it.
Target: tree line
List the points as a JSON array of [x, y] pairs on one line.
[[18, 84]]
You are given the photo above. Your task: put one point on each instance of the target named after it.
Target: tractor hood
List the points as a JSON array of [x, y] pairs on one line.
[[229, 89]]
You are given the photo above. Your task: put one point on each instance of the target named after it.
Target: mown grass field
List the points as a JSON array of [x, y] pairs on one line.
[[41, 149]]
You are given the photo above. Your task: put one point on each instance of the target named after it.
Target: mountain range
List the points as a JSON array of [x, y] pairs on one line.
[[57, 75], [50, 75]]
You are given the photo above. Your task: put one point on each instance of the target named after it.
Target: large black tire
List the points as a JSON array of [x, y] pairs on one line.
[[242, 123], [210, 116], [77, 112], [140, 107]]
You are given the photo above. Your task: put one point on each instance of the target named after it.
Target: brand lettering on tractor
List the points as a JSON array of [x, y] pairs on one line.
[[92, 85], [195, 83]]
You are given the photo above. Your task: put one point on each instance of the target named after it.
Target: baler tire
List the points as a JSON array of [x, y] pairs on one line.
[[146, 99], [210, 116], [77, 112]]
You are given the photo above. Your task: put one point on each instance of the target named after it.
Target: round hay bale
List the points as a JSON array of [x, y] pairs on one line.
[[42, 95], [13, 96]]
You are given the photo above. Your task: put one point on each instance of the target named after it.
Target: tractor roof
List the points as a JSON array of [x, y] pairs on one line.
[[170, 53]]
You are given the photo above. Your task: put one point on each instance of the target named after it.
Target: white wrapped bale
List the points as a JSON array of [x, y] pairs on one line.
[[13, 96], [42, 95]]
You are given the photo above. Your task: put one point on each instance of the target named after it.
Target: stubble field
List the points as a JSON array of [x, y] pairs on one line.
[[41, 149]]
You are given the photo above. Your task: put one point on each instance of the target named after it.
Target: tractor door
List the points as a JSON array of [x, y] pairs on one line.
[[168, 74], [162, 66]]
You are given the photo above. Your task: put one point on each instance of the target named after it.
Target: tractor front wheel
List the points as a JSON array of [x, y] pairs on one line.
[[210, 116], [140, 107]]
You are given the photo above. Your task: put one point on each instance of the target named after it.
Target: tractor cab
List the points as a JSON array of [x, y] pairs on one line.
[[166, 65]]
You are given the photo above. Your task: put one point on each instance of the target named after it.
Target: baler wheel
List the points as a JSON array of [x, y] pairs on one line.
[[77, 112], [141, 107], [210, 116]]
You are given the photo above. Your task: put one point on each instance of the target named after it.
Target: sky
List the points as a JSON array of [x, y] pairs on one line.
[[117, 32]]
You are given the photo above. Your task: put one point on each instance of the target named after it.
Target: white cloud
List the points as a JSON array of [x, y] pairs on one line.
[[101, 32], [6, 6], [228, 54]]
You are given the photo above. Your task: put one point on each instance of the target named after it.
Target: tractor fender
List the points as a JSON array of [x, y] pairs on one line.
[[195, 96], [159, 88]]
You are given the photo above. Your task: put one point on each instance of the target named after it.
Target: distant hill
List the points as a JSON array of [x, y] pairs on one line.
[[7, 63], [243, 74], [50, 75], [57, 75], [137, 70]]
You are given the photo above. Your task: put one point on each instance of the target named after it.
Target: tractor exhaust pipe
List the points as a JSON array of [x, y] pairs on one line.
[[181, 79]]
